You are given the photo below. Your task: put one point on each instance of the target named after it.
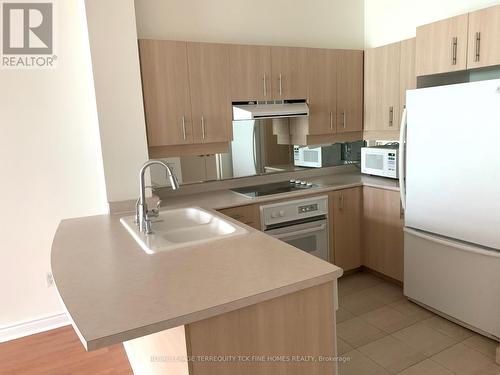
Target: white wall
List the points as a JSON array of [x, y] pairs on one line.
[[115, 61], [387, 21], [50, 165], [318, 23]]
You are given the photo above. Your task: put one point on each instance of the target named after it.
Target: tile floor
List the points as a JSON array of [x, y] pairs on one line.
[[383, 333]]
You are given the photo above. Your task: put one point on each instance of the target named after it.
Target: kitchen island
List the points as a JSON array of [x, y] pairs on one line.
[[247, 304]]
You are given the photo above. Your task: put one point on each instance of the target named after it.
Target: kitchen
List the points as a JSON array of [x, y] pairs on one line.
[[301, 172]]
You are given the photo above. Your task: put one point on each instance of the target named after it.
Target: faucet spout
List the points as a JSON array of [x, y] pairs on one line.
[[142, 207]]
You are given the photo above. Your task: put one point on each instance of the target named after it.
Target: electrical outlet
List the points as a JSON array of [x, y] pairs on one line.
[[49, 280]]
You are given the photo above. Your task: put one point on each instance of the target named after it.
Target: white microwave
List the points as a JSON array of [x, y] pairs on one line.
[[317, 157], [380, 161]]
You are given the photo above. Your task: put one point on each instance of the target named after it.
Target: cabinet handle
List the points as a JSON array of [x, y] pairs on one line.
[[344, 120], [478, 47], [341, 200], [281, 86], [203, 127], [454, 45], [265, 85], [184, 127], [331, 120], [391, 116]]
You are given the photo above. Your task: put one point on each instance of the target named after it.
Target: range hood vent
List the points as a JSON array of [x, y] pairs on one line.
[[269, 110]]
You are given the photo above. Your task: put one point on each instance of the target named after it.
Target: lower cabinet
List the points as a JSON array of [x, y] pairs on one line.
[[249, 215], [382, 248], [345, 228]]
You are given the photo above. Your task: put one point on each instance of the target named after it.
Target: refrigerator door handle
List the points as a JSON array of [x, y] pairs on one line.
[[456, 244], [254, 148], [402, 157]]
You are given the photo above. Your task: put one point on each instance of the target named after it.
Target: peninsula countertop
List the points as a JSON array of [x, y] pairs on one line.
[[114, 291]]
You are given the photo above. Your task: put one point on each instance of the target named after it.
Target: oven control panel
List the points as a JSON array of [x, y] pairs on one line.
[[308, 208], [283, 212]]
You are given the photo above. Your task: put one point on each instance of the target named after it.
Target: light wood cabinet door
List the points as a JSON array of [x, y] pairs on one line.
[[210, 91], [345, 233], [442, 46], [249, 214], [250, 72], [349, 91], [165, 84], [382, 227], [408, 78], [289, 73], [484, 38], [382, 90], [322, 87]]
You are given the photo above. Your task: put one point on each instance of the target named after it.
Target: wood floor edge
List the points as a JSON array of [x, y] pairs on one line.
[[31, 327]]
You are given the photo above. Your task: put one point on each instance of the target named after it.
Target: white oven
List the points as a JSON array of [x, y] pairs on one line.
[[301, 223], [380, 161]]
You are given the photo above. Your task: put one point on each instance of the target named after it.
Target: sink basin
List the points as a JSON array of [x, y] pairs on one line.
[[182, 227]]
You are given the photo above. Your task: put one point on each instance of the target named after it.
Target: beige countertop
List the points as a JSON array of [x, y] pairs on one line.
[[220, 199], [114, 292]]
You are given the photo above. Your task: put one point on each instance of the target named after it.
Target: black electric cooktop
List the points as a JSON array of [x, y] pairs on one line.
[[274, 188]]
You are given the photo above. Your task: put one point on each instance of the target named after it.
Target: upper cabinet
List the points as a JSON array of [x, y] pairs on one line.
[[484, 38], [268, 73], [349, 91], [189, 89], [187, 99], [250, 68], [210, 92], [389, 72], [166, 92], [289, 77], [464, 42], [408, 78], [335, 85], [322, 87], [442, 46], [382, 88]]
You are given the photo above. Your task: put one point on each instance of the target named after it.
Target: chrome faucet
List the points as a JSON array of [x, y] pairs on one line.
[[142, 214]]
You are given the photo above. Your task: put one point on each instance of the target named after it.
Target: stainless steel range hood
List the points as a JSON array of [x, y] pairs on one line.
[[269, 110]]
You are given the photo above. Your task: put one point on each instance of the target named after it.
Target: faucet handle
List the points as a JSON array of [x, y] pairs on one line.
[[137, 211], [158, 204], [147, 226]]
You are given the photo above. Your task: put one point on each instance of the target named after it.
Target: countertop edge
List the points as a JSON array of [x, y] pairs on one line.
[[98, 343]]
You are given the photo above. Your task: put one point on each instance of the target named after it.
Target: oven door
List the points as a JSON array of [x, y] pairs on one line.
[[311, 237]]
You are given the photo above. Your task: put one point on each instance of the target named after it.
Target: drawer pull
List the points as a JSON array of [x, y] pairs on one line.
[[478, 47], [454, 45]]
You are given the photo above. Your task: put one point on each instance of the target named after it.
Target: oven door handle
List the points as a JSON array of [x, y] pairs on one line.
[[300, 232]]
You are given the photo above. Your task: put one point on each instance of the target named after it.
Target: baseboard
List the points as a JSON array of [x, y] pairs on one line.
[[33, 326]]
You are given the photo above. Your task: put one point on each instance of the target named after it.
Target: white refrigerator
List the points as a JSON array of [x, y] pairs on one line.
[[246, 148], [450, 187]]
